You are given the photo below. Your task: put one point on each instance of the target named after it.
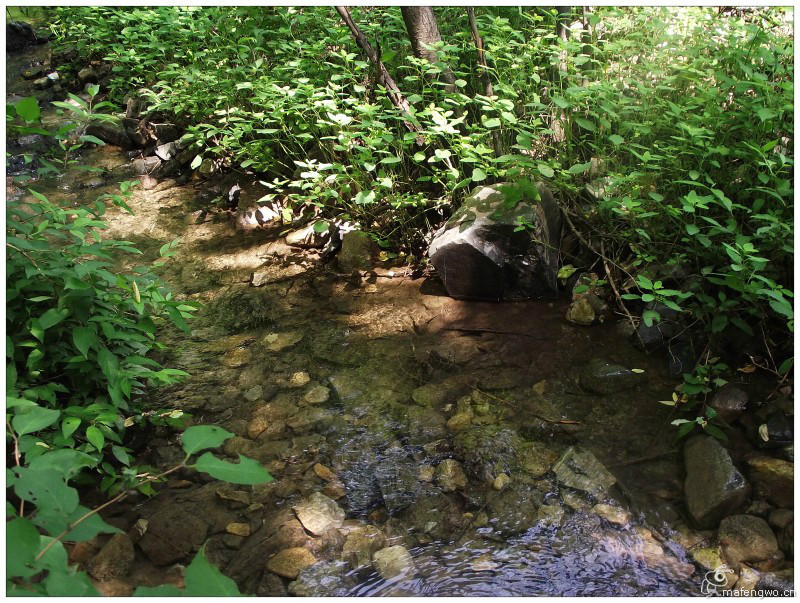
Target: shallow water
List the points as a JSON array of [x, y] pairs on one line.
[[372, 341]]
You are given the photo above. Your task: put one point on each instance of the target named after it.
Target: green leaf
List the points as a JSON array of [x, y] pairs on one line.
[[92, 139], [545, 170], [716, 432], [247, 471], [365, 198], [586, 124], [108, 364], [719, 323], [89, 527], [478, 175], [24, 537], [764, 114], [28, 109], [391, 160], [69, 425], [165, 590], [84, 339], [204, 580], [196, 162], [55, 501], [95, 437], [201, 437], [560, 102], [616, 139], [60, 583], [580, 168], [52, 317], [33, 419], [692, 229], [321, 226], [442, 153], [694, 174], [492, 123]]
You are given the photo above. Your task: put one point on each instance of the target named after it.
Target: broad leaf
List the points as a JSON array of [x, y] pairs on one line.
[[247, 471], [201, 437]]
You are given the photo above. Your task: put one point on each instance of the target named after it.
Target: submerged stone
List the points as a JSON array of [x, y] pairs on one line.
[[603, 377], [580, 469], [318, 514], [392, 562], [714, 488]]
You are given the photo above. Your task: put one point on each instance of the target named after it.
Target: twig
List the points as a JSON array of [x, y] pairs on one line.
[[117, 498], [477, 330], [616, 293], [642, 459], [541, 418], [16, 459]]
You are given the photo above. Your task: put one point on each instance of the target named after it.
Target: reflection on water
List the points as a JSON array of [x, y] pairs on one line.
[[580, 558]]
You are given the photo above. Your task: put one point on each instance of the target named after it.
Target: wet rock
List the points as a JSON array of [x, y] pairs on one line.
[[307, 238], [486, 451], [271, 585], [165, 133], [785, 538], [714, 488], [500, 482], [236, 499], [459, 422], [166, 151], [334, 490], [298, 379], [426, 473], [19, 35], [612, 514], [397, 480], [146, 165], [450, 476], [114, 560], [238, 529], [42, 83], [87, 75], [254, 393], [319, 394], [324, 473], [111, 132], [290, 562], [515, 509], [172, 534], [575, 500], [480, 253], [537, 458], [581, 312], [773, 478], [33, 72], [729, 402], [324, 579], [392, 562], [780, 518], [439, 394], [780, 431], [603, 377], [580, 469], [456, 351], [748, 539], [781, 581], [659, 332], [361, 544], [318, 514], [550, 515], [356, 251], [308, 418], [276, 342], [237, 358]]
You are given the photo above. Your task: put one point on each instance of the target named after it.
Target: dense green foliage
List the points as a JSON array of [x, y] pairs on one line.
[[78, 336], [690, 112]]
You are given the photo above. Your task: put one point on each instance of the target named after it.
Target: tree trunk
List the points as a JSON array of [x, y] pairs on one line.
[[562, 31], [384, 78], [488, 90], [423, 32]]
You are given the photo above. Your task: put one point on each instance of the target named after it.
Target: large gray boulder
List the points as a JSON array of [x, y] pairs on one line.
[[483, 253], [714, 487]]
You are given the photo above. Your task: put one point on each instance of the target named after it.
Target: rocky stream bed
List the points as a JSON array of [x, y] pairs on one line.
[[420, 445]]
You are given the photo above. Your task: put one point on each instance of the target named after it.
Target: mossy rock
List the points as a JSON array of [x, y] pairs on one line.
[[242, 309]]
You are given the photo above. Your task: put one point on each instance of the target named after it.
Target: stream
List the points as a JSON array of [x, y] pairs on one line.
[[470, 434]]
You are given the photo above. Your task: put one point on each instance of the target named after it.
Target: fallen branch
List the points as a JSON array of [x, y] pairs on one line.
[[384, 78]]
